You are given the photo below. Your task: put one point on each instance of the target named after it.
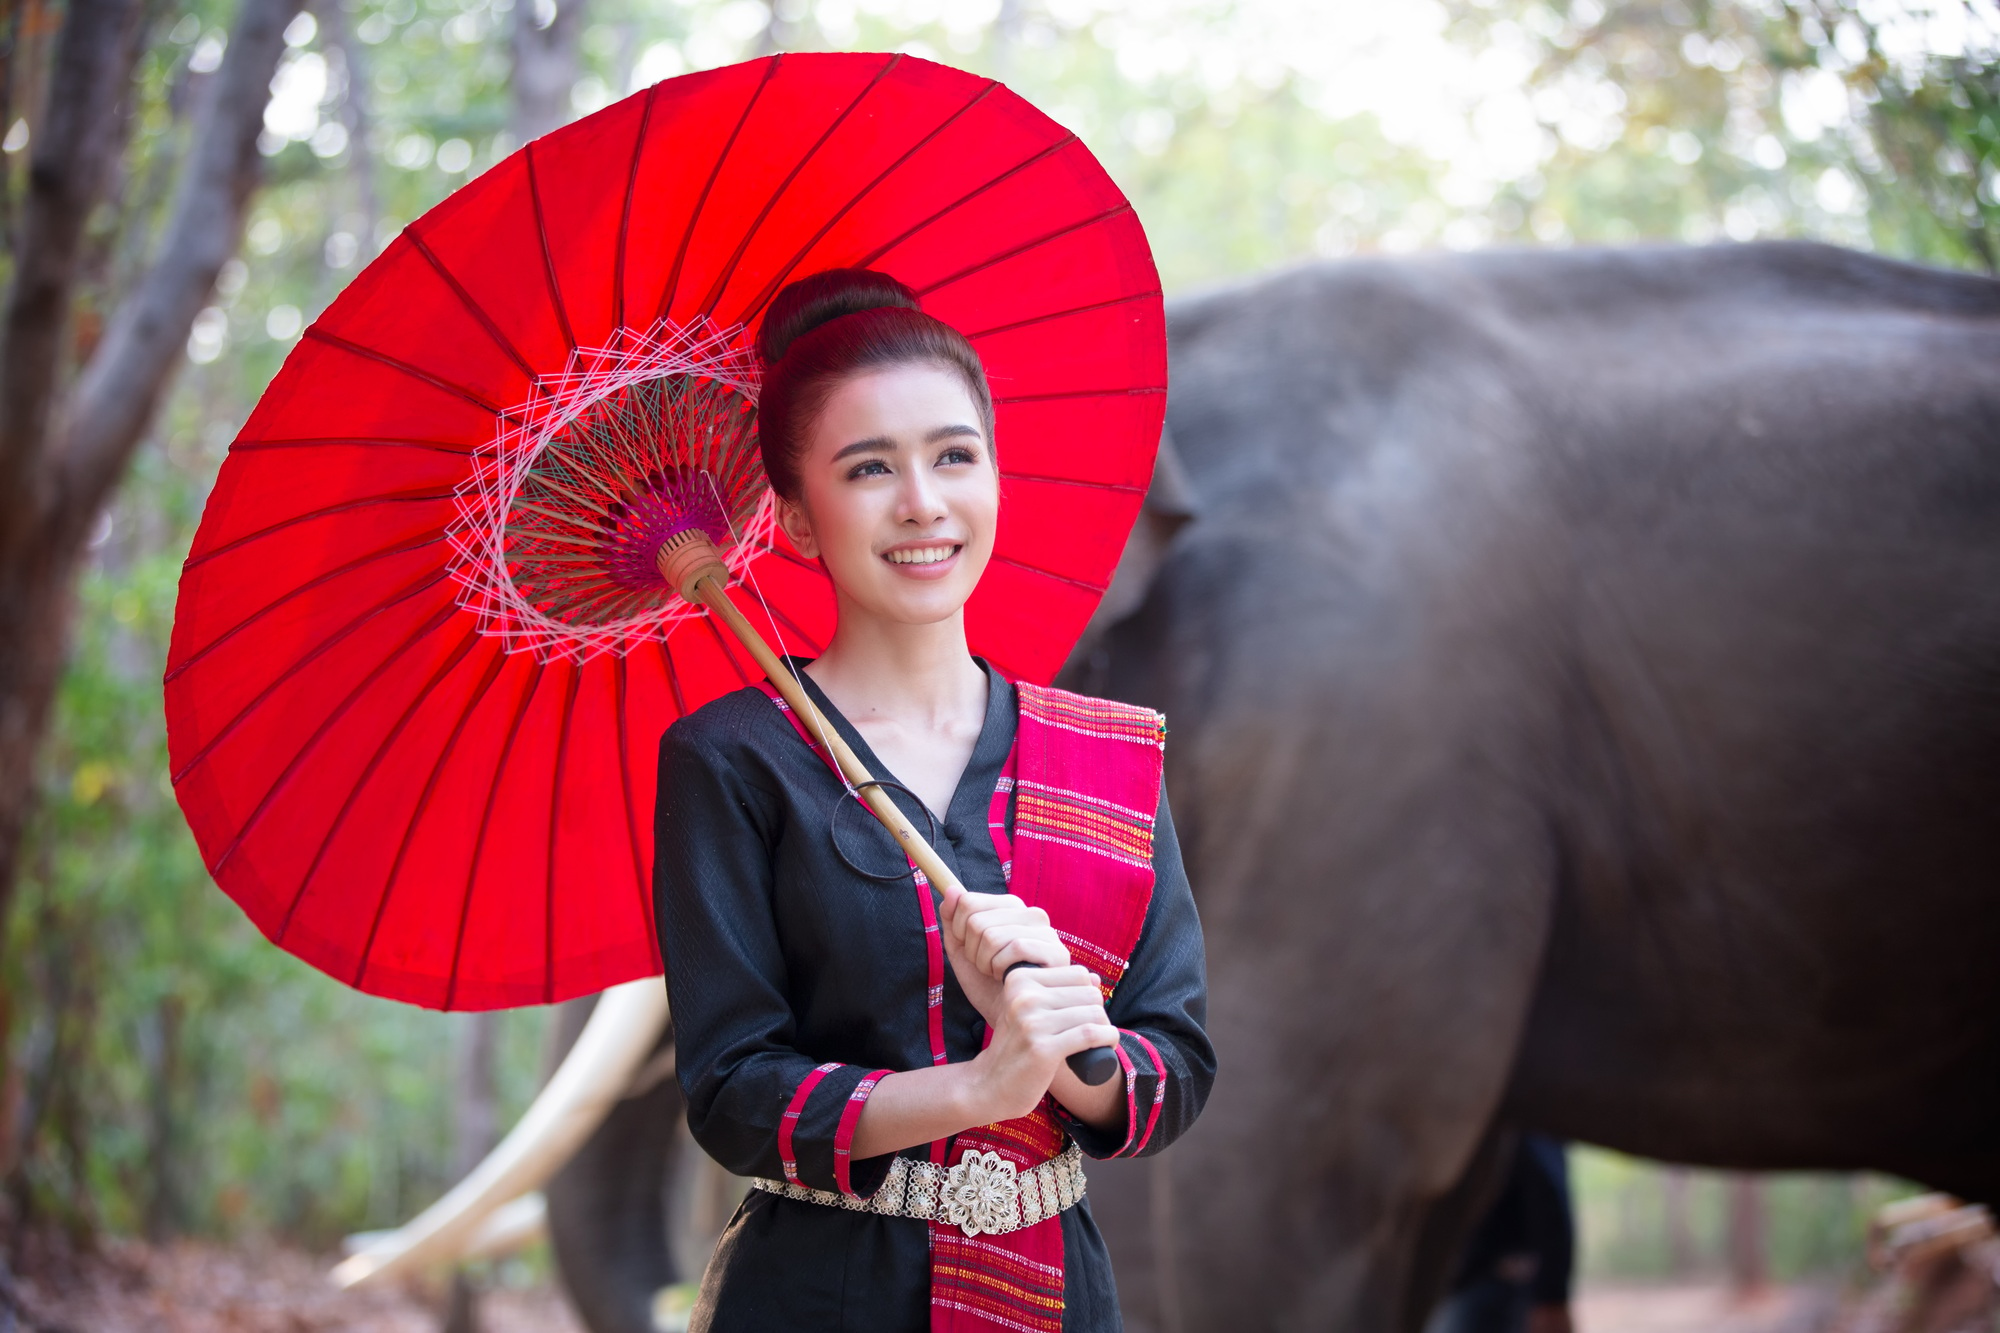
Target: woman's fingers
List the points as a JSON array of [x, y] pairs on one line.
[[1047, 1002], [987, 934], [999, 931], [1051, 978], [1008, 945], [1085, 1037], [1029, 949], [951, 911]]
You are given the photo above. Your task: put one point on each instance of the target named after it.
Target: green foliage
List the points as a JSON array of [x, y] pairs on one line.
[[1872, 125], [168, 1069]]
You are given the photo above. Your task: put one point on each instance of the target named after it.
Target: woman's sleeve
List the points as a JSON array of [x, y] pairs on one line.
[[754, 1102], [1160, 1008]]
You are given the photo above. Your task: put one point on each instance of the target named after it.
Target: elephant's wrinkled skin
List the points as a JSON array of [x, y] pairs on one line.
[[1583, 673]]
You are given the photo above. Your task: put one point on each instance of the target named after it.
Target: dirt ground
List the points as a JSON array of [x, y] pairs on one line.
[[191, 1288], [1699, 1308], [194, 1288]]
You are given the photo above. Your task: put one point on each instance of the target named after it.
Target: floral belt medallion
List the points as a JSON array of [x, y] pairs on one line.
[[981, 1195]]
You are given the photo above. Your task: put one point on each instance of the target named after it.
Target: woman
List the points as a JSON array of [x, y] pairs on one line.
[[868, 1072]]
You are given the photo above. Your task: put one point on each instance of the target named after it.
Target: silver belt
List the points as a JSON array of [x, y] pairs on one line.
[[984, 1194]]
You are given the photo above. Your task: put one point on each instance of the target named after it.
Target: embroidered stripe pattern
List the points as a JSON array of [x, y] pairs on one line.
[[1102, 719], [1108, 966], [934, 967], [790, 1123], [990, 1282], [1077, 821], [996, 820], [843, 1137]]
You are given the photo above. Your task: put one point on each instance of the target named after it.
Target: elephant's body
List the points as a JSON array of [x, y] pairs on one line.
[[1584, 683], [1583, 675]]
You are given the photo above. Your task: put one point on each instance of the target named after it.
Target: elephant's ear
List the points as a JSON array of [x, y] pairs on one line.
[[1170, 504]]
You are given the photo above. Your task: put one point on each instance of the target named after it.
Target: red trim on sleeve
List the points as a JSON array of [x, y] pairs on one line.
[[1159, 1093], [843, 1138], [791, 1120], [1131, 1102]]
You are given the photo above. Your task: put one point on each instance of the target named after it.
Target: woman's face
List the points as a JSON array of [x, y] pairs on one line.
[[898, 493]]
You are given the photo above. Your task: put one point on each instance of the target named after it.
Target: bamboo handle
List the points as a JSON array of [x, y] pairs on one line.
[[693, 567], [708, 592]]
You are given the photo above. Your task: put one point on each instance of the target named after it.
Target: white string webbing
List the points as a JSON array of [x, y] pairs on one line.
[[478, 535]]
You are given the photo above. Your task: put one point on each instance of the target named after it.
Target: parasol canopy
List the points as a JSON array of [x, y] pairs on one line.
[[422, 658]]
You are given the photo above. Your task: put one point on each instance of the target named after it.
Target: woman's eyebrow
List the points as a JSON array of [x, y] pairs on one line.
[[882, 444], [874, 444]]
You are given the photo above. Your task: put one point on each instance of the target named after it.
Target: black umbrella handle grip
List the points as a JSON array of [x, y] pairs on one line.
[[1094, 1066]]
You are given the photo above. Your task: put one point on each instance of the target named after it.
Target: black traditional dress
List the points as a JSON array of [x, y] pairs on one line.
[[781, 958]]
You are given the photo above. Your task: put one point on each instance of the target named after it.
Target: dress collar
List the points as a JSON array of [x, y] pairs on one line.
[[989, 753]]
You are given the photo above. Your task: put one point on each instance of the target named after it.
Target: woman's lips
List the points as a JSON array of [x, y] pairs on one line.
[[930, 561]]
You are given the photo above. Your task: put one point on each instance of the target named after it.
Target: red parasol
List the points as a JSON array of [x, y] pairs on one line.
[[421, 663]]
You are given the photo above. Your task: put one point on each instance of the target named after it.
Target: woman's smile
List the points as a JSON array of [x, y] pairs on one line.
[[924, 560]]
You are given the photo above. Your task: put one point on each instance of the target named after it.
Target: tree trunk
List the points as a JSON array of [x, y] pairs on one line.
[[36, 588], [1005, 36], [355, 119], [1680, 1228], [62, 453], [1749, 1253], [476, 1107], [461, 1305], [163, 1213], [546, 38]]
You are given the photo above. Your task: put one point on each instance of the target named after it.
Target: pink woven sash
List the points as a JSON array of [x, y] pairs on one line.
[[1084, 778], [1084, 782]]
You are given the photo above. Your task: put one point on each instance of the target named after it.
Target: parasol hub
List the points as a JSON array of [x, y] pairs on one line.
[[562, 524], [688, 557]]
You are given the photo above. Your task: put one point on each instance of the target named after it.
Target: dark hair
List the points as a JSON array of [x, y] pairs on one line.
[[832, 326]]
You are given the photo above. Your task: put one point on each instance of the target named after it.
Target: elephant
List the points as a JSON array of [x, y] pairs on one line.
[[1584, 682], [1583, 679]]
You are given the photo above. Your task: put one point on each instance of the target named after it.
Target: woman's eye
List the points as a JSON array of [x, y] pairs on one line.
[[958, 453], [872, 467]]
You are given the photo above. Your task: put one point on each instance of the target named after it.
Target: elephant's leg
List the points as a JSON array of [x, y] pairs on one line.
[[1335, 1172], [607, 1206], [1451, 1221], [1376, 908]]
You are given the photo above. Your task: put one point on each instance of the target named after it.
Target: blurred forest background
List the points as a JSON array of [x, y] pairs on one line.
[[167, 1072]]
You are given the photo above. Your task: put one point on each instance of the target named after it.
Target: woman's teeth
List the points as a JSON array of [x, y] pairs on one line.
[[923, 555]]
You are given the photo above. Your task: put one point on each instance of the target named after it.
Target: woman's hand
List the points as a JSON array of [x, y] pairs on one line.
[[987, 933], [1044, 1016]]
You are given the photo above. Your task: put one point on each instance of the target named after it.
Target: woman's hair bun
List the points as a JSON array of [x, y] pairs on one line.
[[810, 302], [831, 326]]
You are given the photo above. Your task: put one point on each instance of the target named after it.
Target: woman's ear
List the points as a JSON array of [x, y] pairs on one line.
[[792, 518]]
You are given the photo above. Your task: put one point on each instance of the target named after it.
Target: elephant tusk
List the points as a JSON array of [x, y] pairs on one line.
[[592, 1078], [510, 1227]]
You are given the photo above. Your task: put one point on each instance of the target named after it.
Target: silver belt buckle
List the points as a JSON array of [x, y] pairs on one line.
[[981, 1195]]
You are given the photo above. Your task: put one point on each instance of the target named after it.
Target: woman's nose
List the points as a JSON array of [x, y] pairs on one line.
[[922, 500]]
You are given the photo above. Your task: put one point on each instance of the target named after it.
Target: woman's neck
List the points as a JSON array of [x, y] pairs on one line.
[[915, 695], [919, 677]]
